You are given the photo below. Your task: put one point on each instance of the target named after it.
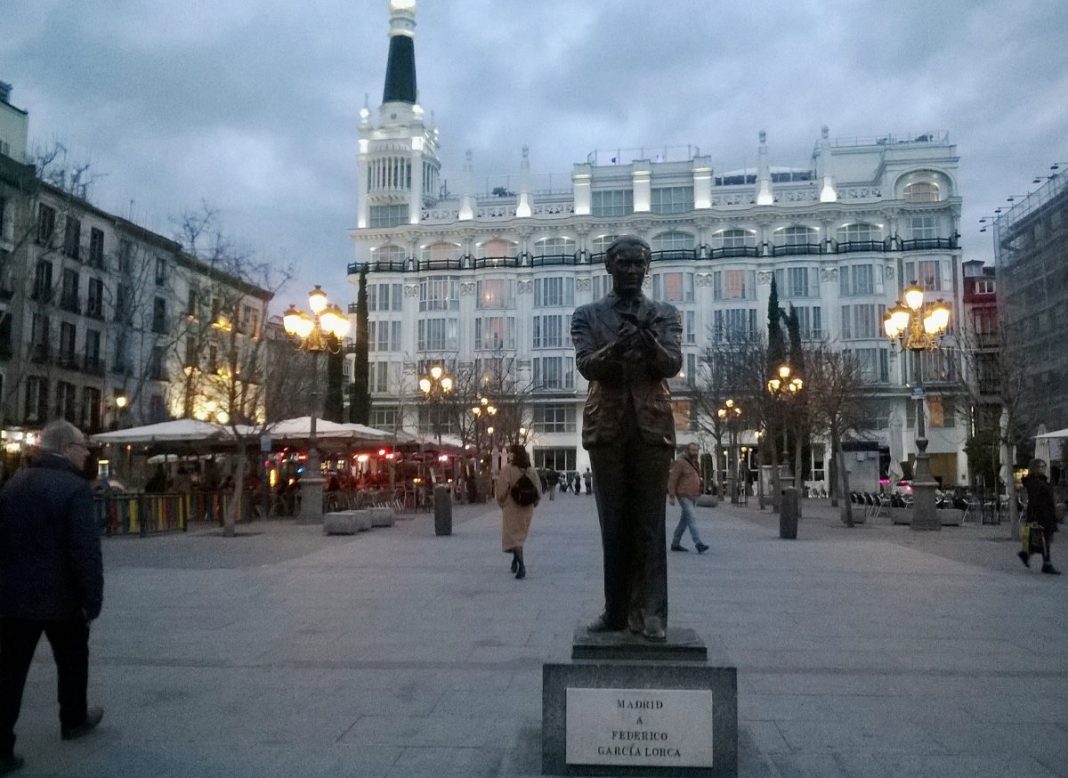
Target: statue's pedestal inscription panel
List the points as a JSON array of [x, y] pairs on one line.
[[639, 727], [628, 706]]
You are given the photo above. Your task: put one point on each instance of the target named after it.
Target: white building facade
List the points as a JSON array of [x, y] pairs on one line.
[[470, 278]]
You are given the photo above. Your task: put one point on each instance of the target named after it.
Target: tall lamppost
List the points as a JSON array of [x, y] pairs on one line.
[[436, 385], [780, 386], [321, 330], [483, 413], [917, 326], [729, 415]]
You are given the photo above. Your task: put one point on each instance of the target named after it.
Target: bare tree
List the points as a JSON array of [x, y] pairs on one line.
[[836, 376], [219, 340], [994, 386]]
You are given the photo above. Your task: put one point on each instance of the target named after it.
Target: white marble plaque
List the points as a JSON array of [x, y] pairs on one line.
[[639, 727]]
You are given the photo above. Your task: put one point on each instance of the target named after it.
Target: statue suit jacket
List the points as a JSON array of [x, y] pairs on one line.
[[616, 384]]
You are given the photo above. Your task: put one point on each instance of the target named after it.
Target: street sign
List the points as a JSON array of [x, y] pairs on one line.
[[918, 393]]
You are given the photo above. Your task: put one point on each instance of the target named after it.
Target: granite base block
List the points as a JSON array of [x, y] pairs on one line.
[[381, 517], [346, 522], [672, 716]]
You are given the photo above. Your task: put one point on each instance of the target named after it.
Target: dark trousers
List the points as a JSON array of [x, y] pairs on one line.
[[70, 647], [631, 491]]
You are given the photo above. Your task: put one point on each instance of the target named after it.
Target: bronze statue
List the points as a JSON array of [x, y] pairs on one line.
[[627, 346]]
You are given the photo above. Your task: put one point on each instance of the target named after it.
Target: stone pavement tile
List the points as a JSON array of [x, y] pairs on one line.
[[1042, 741], [785, 707], [793, 765], [490, 703], [756, 741], [1048, 707], [431, 761], [238, 759], [763, 736], [826, 736], [949, 765], [470, 730]]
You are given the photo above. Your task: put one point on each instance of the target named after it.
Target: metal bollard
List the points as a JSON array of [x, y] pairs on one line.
[[790, 513], [442, 509]]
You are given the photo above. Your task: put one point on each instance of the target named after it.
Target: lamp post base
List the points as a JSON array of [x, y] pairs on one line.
[[311, 500], [924, 514]]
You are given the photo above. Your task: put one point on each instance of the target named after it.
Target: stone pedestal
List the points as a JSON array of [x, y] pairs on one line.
[[628, 706], [381, 517], [346, 522]]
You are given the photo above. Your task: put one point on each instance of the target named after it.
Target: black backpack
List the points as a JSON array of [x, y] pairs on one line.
[[523, 491]]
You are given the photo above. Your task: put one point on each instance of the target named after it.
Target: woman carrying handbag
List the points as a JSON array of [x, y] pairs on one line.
[[1041, 514]]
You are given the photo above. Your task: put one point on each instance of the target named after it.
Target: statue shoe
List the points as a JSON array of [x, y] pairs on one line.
[[636, 624], [654, 629]]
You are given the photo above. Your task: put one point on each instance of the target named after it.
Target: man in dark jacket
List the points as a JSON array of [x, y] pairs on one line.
[[627, 346], [1041, 510], [51, 581]]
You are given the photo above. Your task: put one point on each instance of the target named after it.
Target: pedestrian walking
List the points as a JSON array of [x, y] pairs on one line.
[[518, 495], [576, 482], [51, 581], [1041, 511], [684, 485], [552, 478], [587, 479]]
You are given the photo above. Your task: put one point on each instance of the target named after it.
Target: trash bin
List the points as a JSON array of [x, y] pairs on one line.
[[442, 510], [791, 511]]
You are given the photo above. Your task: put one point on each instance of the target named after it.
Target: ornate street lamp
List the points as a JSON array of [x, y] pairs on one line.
[[314, 333], [781, 386], [917, 326], [729, 414], [436, 385]]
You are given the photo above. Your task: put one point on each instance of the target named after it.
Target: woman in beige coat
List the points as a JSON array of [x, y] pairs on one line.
[[515, 522]]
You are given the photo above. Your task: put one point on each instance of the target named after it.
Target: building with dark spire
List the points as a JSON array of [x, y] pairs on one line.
[[483, 280]]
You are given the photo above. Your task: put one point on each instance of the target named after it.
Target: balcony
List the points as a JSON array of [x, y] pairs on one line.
[[70, 302], [851, 246], [39, 352], [68, 360], [480, 263], [734, 251], [667, 254], [792, 249], [928, 244]]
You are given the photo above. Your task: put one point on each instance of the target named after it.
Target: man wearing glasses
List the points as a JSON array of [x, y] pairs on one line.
[[51, 581]]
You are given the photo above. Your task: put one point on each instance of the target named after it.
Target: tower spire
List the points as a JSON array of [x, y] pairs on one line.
[[400, 67]]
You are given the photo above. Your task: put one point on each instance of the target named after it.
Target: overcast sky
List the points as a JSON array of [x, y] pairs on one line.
[[252, 105]]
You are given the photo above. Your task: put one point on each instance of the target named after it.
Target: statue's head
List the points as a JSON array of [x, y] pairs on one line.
[[627, 261]]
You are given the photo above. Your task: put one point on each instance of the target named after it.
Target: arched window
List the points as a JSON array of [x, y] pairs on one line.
[[387, 254], [547, 247], [734, 239], [859, 233], [440, 252], [496, 248], [796, 235], [600, 244], [922, 192], [672, 241]]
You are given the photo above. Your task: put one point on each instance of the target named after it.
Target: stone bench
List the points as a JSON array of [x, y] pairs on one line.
[[381, 517], [346, 522]]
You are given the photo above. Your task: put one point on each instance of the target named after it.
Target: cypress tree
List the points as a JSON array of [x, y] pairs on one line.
[[776, 342]]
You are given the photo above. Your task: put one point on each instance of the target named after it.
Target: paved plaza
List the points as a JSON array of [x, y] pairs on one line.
[[874, 651]]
